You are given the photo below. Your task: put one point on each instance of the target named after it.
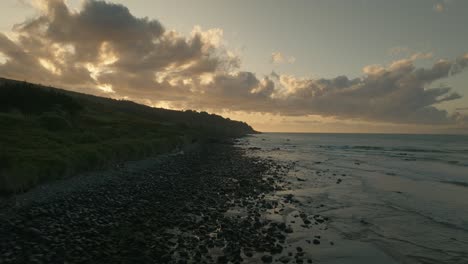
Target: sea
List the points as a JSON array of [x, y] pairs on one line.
[[388, 198]]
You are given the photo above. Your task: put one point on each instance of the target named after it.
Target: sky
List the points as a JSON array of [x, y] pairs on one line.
[[291, 66]]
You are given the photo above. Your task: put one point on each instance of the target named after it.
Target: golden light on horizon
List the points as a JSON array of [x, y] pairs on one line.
[[3, 58], [218, 68], [50, 66], [107, 88]]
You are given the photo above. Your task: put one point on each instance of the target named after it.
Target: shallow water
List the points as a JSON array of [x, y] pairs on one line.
[[391, 198]]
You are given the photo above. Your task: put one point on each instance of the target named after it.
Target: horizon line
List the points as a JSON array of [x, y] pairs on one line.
[[367, 133]]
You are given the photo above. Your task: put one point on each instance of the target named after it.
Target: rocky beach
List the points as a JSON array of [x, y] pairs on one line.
[[209, 205], [233, 132]]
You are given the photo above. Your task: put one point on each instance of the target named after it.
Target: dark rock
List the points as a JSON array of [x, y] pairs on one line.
[[267, 258], [34, 231], [254, 148], [284, 259], [222, 259], [171, 212]]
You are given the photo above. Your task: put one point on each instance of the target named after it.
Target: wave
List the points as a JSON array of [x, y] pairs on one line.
[[390, 149], [399, 149], [462, 184], [449, 156]]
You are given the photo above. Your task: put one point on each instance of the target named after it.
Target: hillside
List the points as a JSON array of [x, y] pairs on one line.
[[47, 133]]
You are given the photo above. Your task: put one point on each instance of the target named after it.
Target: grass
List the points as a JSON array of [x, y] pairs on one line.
[[66, 133]]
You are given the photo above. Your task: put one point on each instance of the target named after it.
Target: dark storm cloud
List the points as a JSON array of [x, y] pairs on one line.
[[104, 48]]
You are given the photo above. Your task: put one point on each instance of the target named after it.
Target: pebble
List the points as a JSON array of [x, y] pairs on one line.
[[169, 212], [267, 258]]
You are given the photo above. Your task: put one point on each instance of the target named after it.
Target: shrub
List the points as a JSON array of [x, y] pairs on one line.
[[53, 121]]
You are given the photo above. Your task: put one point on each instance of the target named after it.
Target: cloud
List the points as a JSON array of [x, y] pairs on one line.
[[103, 43], [396, 93], [104, 49], [439, 7], [279, 58], [398, 50], [420, 56]]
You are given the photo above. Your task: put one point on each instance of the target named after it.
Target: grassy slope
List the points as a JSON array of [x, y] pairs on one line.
[[47, 133]]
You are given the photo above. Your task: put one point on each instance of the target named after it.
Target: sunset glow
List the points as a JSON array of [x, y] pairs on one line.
[[127, 49]]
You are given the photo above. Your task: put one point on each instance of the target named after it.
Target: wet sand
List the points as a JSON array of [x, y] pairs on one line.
[[379, 207]]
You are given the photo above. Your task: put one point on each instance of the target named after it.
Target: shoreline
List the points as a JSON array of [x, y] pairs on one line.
[[207, 205], [380, 204]]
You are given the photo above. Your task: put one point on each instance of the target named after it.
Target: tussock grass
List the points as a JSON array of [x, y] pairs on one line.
[[47, 134]]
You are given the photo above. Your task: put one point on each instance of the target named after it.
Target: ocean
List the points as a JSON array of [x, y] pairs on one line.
[[389, 198]]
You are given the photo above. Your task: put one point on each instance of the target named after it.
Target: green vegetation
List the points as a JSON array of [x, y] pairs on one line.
[[47, 133]]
